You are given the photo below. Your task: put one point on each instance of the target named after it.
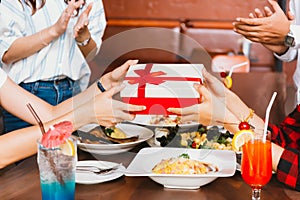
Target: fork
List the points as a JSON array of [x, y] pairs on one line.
[[97, 170]]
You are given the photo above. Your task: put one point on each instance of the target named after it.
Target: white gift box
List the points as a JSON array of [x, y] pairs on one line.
[[160, 86]]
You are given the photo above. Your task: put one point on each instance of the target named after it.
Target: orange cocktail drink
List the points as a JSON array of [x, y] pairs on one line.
[[256, 164]]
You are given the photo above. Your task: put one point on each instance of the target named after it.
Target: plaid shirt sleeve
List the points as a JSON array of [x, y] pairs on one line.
[[287, 135]]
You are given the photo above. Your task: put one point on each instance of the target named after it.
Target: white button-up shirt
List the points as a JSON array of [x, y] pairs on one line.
[[292, 53], [3, 77], [62, 57]]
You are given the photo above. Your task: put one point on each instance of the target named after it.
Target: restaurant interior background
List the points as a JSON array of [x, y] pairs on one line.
[[209, 23]]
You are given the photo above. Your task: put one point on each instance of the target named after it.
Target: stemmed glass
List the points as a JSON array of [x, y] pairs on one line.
[[256, 167]]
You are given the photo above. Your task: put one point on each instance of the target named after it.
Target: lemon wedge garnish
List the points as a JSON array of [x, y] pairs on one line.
[[228, 82], [68, 148], [240, 138], [118, 133]]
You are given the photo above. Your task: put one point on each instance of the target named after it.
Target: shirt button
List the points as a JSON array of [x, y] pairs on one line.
[[60, 65]]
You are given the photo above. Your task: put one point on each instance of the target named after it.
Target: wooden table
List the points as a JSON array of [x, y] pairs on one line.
[[22, 182]]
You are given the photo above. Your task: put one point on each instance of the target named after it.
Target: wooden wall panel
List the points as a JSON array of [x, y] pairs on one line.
[[218, 10]]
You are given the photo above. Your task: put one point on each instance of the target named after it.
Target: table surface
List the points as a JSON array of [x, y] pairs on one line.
[[22, 182]]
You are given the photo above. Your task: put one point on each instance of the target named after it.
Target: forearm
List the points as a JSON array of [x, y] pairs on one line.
[[21, 143], [89, 50], [276, 155], [20, 48], [47, 112], [241, 111]]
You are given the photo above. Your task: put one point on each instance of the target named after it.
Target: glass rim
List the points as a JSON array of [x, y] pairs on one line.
[[72, 137]]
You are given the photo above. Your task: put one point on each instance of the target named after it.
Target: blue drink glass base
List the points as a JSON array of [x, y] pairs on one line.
[[57, 191]]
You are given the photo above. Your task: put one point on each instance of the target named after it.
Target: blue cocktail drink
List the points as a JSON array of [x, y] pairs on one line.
[[57, 167], [56, 190]]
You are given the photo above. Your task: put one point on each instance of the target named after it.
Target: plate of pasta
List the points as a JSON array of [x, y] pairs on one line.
[[179, 168]]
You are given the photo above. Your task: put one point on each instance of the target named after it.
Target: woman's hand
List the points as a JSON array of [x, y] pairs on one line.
[[116, 77], [108, 111], [81, 31], [216, 87], [208, 112], [62, 23]]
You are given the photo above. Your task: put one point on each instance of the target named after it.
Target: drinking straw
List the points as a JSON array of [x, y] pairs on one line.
[[267, 116], [51, 161], [36, 117], [236, 66]]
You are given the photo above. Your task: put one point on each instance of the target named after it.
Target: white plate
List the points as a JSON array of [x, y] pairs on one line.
[[91, 178], [147, 158], [145, 120], [107, 149]]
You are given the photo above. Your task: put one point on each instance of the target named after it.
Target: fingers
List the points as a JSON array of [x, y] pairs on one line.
[[203, 91], [121, 71], [208, 78], [191, 109], [72, 6], [128, 63], [135, 108], [114, 90], [275, 5], [177, 111], [190, 118], [290, 15], [247, 21], [258, 13], [88, 9], [268, 11], [211, 81]]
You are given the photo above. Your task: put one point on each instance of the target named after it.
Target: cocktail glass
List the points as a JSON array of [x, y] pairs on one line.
[[57, 168], [256, 167]]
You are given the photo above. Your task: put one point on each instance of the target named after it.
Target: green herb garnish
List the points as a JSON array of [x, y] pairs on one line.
[[185, 155], [109, 131]]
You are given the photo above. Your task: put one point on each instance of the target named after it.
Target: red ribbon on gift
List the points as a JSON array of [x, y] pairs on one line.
[[145, 76]]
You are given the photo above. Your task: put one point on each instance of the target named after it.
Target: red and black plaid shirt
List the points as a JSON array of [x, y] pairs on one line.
[[287, 135]]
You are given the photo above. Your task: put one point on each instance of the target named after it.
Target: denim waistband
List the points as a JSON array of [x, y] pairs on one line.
[[54, 82]]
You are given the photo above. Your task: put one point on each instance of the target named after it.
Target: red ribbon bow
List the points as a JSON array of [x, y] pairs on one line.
[[146, 77]]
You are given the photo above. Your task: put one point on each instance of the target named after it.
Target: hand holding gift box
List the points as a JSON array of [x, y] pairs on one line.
[[160, 86]]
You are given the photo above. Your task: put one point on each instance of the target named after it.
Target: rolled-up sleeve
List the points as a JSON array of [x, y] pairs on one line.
[[3, 77], [288, 168], [287, 136], [12, 22]]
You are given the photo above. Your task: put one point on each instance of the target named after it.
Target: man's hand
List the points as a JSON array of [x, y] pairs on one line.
[[268, 28]]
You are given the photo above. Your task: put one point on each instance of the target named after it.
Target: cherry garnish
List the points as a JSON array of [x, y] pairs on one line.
[[244, 125], [223, 74]]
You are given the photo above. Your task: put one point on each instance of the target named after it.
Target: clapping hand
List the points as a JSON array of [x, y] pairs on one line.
[[266, 27], [81, 31], [62, 23]]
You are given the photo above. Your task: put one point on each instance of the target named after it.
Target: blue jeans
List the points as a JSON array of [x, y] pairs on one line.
[[54, 92]]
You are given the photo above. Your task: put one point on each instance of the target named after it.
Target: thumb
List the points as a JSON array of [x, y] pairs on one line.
[[203, 91], [89, 8], [114, 90], [290, 16], [209, 78]]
